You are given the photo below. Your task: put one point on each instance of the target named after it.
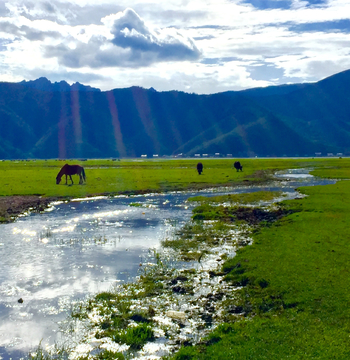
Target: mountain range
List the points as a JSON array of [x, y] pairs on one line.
[[40, 119]]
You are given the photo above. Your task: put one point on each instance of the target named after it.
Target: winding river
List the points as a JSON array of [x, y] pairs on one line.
[[85, 246]]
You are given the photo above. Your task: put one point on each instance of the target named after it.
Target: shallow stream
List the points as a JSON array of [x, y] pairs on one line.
[[85, 246]]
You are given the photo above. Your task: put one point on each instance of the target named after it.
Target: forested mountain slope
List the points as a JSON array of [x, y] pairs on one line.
[[39, 119]]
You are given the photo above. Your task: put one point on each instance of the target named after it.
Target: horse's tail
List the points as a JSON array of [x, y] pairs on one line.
[[83, 172]]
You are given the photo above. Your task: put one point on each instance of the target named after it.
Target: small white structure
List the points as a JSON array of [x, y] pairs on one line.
[[197, 155], [143, 156]]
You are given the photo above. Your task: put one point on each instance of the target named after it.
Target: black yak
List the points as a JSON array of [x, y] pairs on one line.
[[238, 166], [199, 168]]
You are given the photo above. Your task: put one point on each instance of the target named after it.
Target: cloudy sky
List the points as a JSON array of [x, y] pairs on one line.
[[200, 46]]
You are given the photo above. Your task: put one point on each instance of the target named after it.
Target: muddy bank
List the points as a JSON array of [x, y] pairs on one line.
[[13, 206], [254, 216]]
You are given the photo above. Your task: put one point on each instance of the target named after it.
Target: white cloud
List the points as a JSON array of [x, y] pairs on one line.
[[125, 41], [130, 32], [198, 46]]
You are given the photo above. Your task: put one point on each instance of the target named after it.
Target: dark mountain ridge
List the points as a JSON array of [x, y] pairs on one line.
[[46, 85], [40, 119]]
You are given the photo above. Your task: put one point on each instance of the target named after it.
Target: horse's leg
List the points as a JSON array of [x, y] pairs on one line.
[[71, 179], [81, 179], [66, 179]]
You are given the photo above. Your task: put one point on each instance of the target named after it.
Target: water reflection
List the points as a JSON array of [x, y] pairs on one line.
[[80, 248]]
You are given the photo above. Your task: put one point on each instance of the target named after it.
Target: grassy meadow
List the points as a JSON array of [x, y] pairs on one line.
[[295, 283], [128, 176], [294, 280]]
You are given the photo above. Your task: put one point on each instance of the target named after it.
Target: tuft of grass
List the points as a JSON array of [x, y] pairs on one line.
[[136, 205], [61, 353], [110, 355], [39, 354], [136, 336]]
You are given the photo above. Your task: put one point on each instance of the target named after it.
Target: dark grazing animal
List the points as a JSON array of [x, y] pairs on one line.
[[70, 170], [199, 168], [238, 166]]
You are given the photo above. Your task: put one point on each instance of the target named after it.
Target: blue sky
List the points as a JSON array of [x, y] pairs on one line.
[[200, 46]]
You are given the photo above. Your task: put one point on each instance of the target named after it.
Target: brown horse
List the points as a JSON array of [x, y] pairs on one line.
[[70, 170]]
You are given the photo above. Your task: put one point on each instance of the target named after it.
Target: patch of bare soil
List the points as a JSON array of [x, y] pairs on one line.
[[254, 216], [12, 206]]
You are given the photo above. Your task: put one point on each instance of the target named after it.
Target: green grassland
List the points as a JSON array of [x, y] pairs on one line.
[[294, 302], [128, 176]]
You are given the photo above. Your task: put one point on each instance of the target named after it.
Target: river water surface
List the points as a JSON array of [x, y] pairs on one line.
[[85, 246]]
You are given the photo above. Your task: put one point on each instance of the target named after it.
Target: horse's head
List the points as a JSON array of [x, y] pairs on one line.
[[58, 180]]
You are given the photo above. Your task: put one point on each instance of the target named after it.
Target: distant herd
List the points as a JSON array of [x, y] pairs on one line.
[[237, 165]]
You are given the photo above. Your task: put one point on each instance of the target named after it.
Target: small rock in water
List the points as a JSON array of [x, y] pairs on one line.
[[207, 318], [179, 278], [176, 315], [179, 289], [20, 300]]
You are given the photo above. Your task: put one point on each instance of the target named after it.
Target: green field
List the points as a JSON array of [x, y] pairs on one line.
[[296, 293], [127, 176]]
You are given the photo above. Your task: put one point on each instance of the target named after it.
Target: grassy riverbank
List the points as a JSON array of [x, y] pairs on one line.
[[294, 303]]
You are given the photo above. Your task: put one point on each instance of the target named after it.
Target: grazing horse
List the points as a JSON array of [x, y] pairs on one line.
[[70, 170], [238, 166], [199, 168]]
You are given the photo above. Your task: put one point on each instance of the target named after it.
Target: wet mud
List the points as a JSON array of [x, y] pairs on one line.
[[13, 206], [254, 216]]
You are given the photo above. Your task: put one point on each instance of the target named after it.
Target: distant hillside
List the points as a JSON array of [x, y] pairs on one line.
[[40, 119]]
